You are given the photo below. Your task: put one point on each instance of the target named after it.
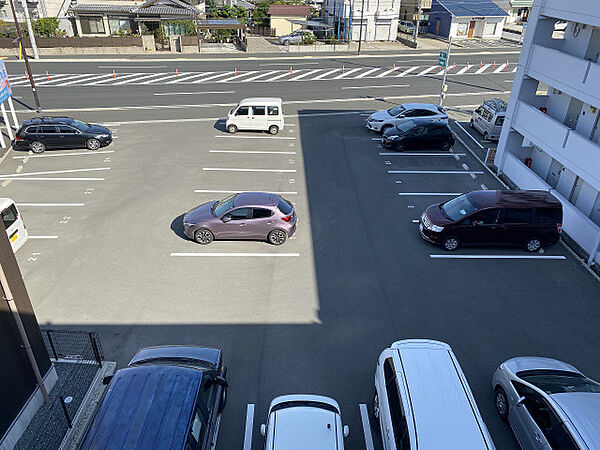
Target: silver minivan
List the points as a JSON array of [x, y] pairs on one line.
[[257, 113], [422, 399], [489, 118]]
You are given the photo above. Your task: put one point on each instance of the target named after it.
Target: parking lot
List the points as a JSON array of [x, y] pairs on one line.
[[108, 254]]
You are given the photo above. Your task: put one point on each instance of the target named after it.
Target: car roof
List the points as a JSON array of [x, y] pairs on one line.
[[146, 407], [47, 120], [583, 411], [428, 106], [515, 199], [260, 100], [444, 411], [5, 203], [255, 198]]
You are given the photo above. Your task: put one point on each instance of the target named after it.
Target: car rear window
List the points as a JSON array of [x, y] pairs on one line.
[[9, 216], [284, 206], [305, 403], [548, 215]]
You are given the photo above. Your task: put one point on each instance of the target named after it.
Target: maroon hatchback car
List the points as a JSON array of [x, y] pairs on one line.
[[247, 215]]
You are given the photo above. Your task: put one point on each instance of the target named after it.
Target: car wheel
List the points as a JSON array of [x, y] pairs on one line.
[[287, 42], [501, 401], [533, 245], [273, 129], [385, 128], [277, 237], [450, 243], [37, 147], [485, 136], [92, 144], [471, 124], [446, 146], [232, 129], [376, 405], [203, 236]]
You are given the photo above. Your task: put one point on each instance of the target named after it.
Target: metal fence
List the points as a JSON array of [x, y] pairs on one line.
[[261, 31], [126, 41], [73, 345]]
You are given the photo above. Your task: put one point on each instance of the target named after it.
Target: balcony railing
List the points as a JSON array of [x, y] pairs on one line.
[[574, 10]]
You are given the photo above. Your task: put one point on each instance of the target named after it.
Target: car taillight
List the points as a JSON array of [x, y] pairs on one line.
[[19, 138], [559, 227], [288, 218]]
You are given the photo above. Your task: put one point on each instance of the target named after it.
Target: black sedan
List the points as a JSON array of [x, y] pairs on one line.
[[47, 133], [419, 134]]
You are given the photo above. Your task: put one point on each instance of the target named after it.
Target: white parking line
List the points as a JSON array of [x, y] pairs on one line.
[[51, 179], [547, 257], [231, 169], [421, 154], [13, 175], [468, 134], [366, 424], [65, 154], [433, 194], [254, 137], [50, 204], [194, 93], [248, 428], [415, 221], [377, 87], [43, 237], [236, 255], [252, 152], [213, 191], [448, 172]]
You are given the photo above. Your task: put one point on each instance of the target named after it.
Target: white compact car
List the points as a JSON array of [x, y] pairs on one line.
[[382, 120], [302, 422], [13, 222]]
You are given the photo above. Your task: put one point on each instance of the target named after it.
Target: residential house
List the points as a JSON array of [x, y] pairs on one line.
[[287, 18], [379, 19], [466, 19]]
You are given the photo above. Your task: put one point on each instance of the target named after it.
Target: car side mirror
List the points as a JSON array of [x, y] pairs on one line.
[[521, 401], [401, 116], [346, 431], [226, 219], [263, 429]]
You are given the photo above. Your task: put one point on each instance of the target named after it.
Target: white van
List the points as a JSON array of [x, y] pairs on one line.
[[258, 113], [489, 118], [422, 399], [13, 222]]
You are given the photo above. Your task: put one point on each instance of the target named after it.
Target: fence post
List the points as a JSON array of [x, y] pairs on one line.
[[51, 344], [95, 349], [64, 407]]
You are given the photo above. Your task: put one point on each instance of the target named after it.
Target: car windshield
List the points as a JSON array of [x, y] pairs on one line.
[[80, 125], [284, 206], [396, 110], [406, 126], [457, 208], [223, 206], [557, 381]]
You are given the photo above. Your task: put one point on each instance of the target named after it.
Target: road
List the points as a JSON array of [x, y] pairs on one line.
[[313, 315]]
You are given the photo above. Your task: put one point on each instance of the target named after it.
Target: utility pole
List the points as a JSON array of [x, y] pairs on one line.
[[19, 39], [30, 29], [416, 32], [443, 88], [362, 14]]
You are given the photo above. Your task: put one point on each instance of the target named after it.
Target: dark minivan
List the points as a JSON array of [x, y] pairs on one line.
[[419, 133], [529, 219], [167, 397]]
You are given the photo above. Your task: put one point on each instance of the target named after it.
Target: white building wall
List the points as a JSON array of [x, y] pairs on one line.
[[380, 18], [565, 154]]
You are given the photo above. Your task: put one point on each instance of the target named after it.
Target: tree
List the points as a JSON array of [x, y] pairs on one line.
[[46, 27], [260, 15]]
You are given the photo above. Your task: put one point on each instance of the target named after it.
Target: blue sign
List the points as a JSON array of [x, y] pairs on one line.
[[5, 89]]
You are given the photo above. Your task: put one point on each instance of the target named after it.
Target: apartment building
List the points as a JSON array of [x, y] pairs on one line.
[[551, 136], [379, 19]]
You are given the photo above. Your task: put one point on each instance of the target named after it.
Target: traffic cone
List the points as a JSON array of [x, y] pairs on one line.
[[176, 73], [235, 72], [26, 75], [343, 68], [467, 65], [47, 76], [291, 70], [394, 68], [114, 74], [480, 64], [454, 66]]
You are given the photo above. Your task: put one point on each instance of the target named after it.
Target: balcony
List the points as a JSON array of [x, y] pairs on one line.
[[562, 143], [575, 76], [573, 10]]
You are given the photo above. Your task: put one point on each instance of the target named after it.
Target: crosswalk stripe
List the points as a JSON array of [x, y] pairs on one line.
[[284, 74], [323, 75], [386, 72], [429, 69], [71, 78], [238, 76], [463, 70], [310, 72], [345, 74], [500, 69], [119, 77], [212, 77], [483, 68], [188, 77], [260, 76], [143, 77], [364, 74], [97, 77], [407, 71], [54, 79], [166, 77]]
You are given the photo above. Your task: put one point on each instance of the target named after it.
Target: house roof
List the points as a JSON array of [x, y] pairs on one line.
[[289, 10], [149, 8], [472, 8]]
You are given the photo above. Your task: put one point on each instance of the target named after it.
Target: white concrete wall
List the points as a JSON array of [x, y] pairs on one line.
[[378, 13]]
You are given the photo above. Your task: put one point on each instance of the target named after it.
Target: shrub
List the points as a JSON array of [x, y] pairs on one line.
[[309, 39], [46, 27]]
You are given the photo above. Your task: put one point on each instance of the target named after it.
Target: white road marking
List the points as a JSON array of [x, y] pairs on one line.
[[500, 69], [66, 154], [249, 425], [194, 93], [364, 74], [426, 71], [188, 77], [252, 152], [13, 175], [166, 77], [238, 76], [211, 191], [113, 79], [310, 72], [43, 237], [377, 87], [473, 175], [212, 77], [284, 74], [448, 172], [463, 70], [255, 137], [514, 70], [468, 134], [50, 204], [484, 187], [482, 68], [61, 79], [51, 179], [415, 221], [323, 75], [407, 71], [346, 73], [377, 139], [231, 169], [425, 194], [87, 80], [421, 154], [131, 67], [547, 257], [290, 64], [236, 255], [141, 77], [366, 424], [261, 75], [465, 166]]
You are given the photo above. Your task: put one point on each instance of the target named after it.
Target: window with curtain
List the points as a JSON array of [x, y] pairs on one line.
[[116, 24]]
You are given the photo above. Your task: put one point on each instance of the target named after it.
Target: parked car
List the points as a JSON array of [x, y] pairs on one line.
[[296, 37], [256, 113], [531, 219], [167, 397], [47, 133], [549, 404], [489, 118], [13, 223], [383, 120], [405, 26], [301, 422], [419, 134], [247, 215], [423, 401]]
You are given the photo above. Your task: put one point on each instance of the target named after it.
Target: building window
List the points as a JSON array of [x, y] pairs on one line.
[[489, 28], [461, 29], [118, 25], [92, 25]]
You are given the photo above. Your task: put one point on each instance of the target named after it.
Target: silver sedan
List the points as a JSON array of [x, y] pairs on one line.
[[549, 404]]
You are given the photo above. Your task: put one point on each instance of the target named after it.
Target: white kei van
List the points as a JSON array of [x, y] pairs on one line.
[[13, 222], [258, 113], [422, 399], [489, 118]]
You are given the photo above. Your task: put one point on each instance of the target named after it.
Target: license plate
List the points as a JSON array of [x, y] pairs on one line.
[[14, 237]]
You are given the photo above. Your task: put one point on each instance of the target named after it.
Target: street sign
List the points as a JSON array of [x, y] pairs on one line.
[[5, 89], [443, 59]]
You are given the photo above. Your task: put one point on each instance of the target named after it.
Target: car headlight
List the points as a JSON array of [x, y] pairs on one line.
[[436, 228], [188, 225], [100, 136], [393, 138], [374, 120]]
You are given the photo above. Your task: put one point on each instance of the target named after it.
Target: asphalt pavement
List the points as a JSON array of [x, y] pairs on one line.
[[311, 316]]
